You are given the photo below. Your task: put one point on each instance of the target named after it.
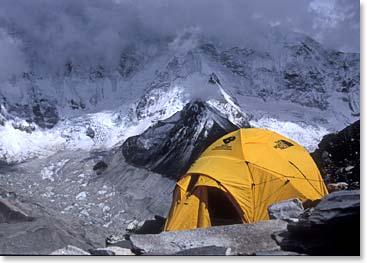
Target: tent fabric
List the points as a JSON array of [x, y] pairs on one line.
[[254, 168]]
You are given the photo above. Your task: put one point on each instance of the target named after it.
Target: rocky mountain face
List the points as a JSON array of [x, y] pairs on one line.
[[172, 145], [294, 68], [338, 156], [295, 82]]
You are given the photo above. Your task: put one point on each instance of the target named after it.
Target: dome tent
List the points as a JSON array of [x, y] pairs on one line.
[[239, 176]]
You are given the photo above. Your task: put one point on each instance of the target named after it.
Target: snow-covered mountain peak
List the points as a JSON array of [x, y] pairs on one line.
[[288, 78], [179, 139]]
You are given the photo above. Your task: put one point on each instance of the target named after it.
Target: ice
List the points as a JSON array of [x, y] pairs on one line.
[[81, 196]]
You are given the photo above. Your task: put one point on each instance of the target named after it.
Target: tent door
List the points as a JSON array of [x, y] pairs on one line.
[[221, 209]]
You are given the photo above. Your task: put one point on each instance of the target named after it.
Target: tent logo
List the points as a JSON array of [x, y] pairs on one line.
[[229, 139], [225, 146], [282, 144]]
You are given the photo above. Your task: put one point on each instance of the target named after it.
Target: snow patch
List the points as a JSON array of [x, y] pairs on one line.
[[81, 196]]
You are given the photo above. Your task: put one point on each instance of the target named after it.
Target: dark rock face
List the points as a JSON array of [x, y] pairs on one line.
[[172, 145], [331, 228], [45, 114], [42, 112], [338, 156]]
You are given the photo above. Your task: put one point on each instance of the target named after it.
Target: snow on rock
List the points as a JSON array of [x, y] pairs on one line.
[[179, 139], [295, 72], [81, 196]]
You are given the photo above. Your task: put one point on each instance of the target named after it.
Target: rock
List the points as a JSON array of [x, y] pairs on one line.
[[178, 140], [154, 226], [331, 228], [11, 214], [213, 79], [100, 167], [106, 208], [338, 156], [81, 196], [278, 253], [101, 252], [70, 251], [119, 251], [132, 226], [111, 251], [47, 232], [45, 113], [242, 239], [286, 210], [335, 208], [90, 132], [121, 240], [337, 187], [203, 251], [24, 126], [121, 243]]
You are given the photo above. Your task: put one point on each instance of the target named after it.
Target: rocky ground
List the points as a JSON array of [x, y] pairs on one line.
[[330, 228], [81, 203], [99, 188]]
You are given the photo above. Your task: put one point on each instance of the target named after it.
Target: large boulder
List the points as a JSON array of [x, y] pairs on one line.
[[241, 239], [172, 145], [331, 228], [338, 156]]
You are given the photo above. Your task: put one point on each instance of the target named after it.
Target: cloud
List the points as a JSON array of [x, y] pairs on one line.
[[337, 23], [93, 32], [11, 53]]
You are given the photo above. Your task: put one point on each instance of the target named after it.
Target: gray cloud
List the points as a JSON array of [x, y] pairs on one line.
[[92, 32]]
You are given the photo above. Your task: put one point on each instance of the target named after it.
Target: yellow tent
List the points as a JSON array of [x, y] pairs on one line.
[[239, 176]]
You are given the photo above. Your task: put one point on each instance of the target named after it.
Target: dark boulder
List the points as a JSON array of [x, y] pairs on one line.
[[90, 132], [338, 156], [100, 166], [101, 252], [153, 226], [172, 145], [331, 228]]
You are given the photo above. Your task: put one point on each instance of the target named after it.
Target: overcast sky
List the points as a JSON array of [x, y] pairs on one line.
[[96, 30], [334, 23]]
